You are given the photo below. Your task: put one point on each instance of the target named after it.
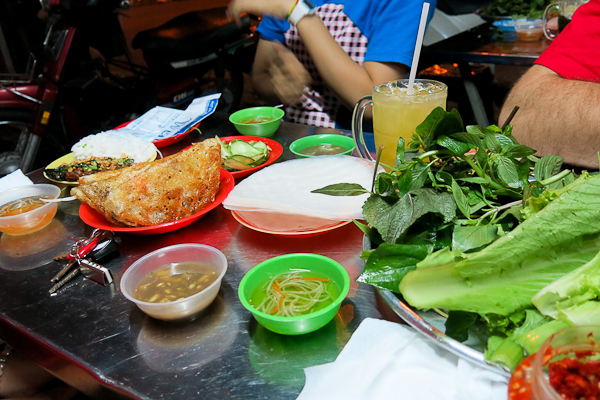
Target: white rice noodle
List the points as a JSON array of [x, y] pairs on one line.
[[113, 144]]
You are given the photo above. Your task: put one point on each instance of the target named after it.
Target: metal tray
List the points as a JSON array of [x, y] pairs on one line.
[[431, 324]]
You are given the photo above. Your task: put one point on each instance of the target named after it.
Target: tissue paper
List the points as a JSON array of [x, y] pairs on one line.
[[386, 360], [13, 180]]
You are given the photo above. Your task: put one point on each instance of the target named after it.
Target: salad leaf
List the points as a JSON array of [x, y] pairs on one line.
[[504, 277], [578, 287], [388, 264]]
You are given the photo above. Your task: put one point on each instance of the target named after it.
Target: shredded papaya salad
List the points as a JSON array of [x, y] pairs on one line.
[[290, 295], [20, 206]]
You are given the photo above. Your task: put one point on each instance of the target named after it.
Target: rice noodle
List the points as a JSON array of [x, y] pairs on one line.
[[290, 295]]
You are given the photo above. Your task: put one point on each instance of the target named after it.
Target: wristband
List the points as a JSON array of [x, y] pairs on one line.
[[301, 9], [291, 9]]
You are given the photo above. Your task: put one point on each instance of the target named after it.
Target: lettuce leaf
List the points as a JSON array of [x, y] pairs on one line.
[[503, 277]]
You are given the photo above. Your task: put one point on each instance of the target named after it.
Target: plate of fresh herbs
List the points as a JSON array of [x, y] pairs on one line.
[[503, 244]]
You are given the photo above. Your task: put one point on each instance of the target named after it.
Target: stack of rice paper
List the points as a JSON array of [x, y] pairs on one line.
[[279, 196]]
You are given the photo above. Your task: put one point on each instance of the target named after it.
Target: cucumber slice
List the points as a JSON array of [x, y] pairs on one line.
[[262, 146], [242, 148], [225, 151], [261, 160], [242, 159], [235, 165]]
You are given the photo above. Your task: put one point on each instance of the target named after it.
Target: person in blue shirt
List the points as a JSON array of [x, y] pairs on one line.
[[320, 59]]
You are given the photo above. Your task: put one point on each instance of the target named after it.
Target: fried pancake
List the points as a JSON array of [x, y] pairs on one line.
[[155, 192]]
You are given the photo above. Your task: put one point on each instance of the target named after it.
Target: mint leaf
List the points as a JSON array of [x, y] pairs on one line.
[[342, 189]]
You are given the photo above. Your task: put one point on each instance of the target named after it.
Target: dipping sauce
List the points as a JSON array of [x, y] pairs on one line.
[[256, 120], [529, 35], [21, 206], [292, 294], [324, 149], [172, 282]]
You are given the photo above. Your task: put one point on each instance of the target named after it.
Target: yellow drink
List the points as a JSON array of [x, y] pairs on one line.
[[397, 114]]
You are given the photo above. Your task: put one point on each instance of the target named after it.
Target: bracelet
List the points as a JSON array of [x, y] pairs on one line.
[[291, 9], [301, 9], [4, 357]]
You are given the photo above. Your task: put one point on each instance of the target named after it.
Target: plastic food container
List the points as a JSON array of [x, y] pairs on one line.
[[293, 262], [529, 31], [530, 380], [189, 307], [30, 221], [323, 140], [242, 120]]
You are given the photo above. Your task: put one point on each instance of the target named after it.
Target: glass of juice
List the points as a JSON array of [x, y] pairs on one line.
[[396, 114], [557, 16]]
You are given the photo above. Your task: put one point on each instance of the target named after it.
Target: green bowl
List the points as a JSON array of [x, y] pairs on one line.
[[292, 262], [324, 139], [263, 129]]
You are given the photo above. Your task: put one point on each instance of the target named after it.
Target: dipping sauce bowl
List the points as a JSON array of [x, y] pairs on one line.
[[320, 145], [257, 121], [301, 263], [29, 221], [181, 309]]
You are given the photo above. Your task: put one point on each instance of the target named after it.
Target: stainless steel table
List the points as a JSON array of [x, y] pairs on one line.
[[93, 338]]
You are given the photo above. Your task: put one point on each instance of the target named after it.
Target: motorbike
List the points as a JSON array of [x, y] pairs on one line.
[[84, 81]]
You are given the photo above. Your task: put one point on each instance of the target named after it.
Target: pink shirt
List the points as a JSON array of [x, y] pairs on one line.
[[575, 53]]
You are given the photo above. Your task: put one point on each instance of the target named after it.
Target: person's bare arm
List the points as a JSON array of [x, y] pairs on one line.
[[556, 116], [343, 75]]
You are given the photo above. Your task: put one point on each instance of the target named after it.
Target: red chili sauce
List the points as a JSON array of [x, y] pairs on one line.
[[574, 379]]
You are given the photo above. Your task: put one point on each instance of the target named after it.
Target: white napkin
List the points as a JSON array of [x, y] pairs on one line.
[[13, 180], [385, 360], [286, 188]]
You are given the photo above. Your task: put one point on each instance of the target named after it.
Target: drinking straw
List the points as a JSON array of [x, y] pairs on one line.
[[417, 53]]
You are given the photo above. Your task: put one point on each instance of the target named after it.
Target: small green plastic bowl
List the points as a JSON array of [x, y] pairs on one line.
[[292, 262], [315, 140], [263, 129]]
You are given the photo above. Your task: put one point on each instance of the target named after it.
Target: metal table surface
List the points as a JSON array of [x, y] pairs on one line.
[[482, 44], [93, 338]]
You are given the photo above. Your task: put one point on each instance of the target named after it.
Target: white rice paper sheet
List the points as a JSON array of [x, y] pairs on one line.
[[286, 188]]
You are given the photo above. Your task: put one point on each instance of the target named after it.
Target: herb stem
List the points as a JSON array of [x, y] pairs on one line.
[[556, 177], [480, 172], [428, 154], [499, 208]]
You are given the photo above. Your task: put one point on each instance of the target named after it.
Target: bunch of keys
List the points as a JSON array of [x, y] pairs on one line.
[[82, 258]]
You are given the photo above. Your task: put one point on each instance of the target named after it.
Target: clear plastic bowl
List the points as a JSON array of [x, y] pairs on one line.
[[189, 307], [529, 30], [33, 220]]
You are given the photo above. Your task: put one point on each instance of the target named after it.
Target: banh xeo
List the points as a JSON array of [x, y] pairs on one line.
[[469, 221]]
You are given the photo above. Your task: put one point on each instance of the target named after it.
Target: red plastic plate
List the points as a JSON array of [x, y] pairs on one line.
[[276, 152], [302, 233], [97, 220]]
